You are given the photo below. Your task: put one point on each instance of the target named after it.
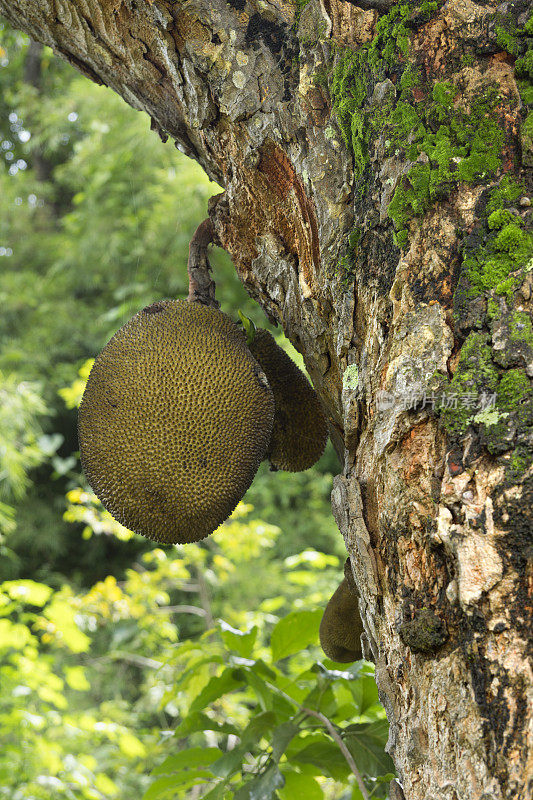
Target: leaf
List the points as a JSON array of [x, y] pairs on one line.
[[265, 693], [281, 736], [326, 756], [192, 757], [201, 722], [336, 674], [76, 678], [263, 786], [365, 693], [105, 785], [239, 642], [366, 743], [230, 762], [13, 635], [323, 700], [295, 632], [62, 615], [35, 594], [217, 792], [215, 688], [168, 784], [300, 787], [257, 727], [131, 746]]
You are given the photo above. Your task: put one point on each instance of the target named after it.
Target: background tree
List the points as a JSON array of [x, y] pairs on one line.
[[375, 165]]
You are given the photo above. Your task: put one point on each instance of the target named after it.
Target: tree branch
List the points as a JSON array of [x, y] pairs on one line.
[[342, 747], [184, 609]]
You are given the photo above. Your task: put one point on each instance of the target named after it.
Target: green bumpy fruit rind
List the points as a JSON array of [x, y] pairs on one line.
[[341, 627], [175, 419], [300, 429]]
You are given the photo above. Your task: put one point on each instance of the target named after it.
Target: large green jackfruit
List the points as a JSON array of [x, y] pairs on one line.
[[341, 626], [175, 419], [300, 430]]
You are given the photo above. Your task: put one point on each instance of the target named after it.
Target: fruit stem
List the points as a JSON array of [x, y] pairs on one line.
[[201, 284]]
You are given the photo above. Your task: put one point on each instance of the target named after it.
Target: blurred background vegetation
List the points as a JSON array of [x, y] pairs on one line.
[[116, 656]]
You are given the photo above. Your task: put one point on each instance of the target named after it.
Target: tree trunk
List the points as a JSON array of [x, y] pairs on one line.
[[375, 161]]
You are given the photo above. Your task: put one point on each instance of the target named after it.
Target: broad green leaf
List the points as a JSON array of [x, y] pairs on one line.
[[326, 757], [241, 643], [257, 727], [356, 793], [192, 757], [264, 692], [35, 594], [365, 693], [300, 787], [321, 699], [295, 689], [265, 670], [262, 787], [201, 722], [230, 762], [167, 786], [366, 743], [214, 689], [218, 792], [295, 632], [281, 736]]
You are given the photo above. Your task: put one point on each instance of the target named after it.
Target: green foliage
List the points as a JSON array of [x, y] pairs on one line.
[[22, 445], [228, 709], [278, 742]]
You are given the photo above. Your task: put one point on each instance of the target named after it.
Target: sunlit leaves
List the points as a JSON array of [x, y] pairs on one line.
[[60, 625], [84, 507], [76, 678], [298, 785], [239, 641], [72, 394], [282, 748], [263, 786], [365, 742], [13, 635], [35, 594], [294, 632]]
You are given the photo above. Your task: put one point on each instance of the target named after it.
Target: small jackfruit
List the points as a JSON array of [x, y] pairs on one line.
[[300, 430], [175, 419], [341, 626]]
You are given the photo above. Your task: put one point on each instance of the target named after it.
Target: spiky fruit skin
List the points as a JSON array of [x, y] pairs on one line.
[[300, 430], [341, 627], [175, 419]]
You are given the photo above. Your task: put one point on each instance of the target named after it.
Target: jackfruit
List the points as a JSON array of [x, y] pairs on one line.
[[175, 419], [300, 430], [341, 626]]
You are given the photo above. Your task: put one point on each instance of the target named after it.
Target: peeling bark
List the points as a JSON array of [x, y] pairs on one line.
[[376, 162]]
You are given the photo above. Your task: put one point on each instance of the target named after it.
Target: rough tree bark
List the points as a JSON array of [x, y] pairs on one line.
[[375, 160]]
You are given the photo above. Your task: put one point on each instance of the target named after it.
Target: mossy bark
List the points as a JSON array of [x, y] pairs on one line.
[[376, 170]]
